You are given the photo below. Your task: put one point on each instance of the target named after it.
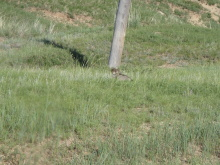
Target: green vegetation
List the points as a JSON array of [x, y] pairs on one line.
[[178, 12], [193, 6], [158, 117], [213, 2], [60, 105]]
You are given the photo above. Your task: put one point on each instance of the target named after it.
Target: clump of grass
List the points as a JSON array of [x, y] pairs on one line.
[[134, 18], [179, 13], [1, 22], [206, 16], [12, 28], [189, 5], [212, 2], [50, 58], [34, 54]]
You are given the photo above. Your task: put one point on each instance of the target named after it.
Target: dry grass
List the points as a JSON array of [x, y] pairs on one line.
[[61, 17]]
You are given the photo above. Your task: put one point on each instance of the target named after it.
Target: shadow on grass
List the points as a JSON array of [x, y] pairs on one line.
[[82, 59]]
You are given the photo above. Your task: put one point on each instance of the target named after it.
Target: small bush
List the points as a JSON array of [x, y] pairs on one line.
[[206, 16]]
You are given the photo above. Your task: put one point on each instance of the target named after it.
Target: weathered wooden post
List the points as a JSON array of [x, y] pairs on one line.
[[119, 35]]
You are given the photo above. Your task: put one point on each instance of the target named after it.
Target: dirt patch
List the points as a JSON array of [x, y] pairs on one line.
[[2, 39], [196, 18], [27, 153], [193, 151], [214, 10], [145, 127], [67, 142], [75, 19], [39, 153], [193, 18]]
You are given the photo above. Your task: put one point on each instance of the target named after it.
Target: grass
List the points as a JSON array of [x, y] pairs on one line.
[[60, 105], [166, 36], [213, 2], [189, 5], [87, 105]]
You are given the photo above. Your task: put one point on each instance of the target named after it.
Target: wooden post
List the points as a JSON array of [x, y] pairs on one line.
[[119, 34]]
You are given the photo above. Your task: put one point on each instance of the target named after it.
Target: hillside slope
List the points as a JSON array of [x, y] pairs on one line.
[[59, 103], [160, 32], [101, 12]]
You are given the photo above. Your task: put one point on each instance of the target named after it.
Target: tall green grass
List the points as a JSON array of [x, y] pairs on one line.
[[157, 117], [60, 105]]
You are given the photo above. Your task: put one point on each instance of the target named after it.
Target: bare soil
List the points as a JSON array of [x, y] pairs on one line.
[[214, 10], [75, 20], [2, 39], [37, 153], [195, 18]]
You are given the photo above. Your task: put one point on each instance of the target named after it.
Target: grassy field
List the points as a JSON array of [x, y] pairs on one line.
[[60, 105]]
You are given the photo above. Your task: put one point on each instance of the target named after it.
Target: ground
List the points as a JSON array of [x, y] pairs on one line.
[[59, 103]]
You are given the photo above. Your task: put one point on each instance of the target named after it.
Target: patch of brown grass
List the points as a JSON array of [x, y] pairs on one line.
[[195, 151], [193, 17], [214, 10], [2, 39], [75, 20], [196, 18], [45, 152]]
